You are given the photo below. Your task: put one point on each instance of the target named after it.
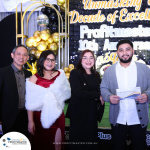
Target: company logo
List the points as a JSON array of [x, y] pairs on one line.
[[103, 136], [14, 140]]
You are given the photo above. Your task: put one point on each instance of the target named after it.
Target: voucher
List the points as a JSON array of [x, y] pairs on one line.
[[130, 93]]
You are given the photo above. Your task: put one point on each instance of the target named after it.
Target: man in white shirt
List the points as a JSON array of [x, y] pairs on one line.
[[127, 115]]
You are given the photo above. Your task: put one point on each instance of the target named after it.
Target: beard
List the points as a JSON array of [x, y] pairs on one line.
[[127, 60]]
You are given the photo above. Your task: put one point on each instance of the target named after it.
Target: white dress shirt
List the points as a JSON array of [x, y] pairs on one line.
[[127, 78]]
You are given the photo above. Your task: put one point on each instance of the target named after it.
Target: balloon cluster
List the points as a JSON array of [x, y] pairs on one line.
[[68, 69], [48, 38], [43, 40], [53, 18]]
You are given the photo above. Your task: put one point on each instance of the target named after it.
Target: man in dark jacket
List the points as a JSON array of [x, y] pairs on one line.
[[13, 116]]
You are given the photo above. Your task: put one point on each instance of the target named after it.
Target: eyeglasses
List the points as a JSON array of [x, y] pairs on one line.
[[50, 60], [86, 58]]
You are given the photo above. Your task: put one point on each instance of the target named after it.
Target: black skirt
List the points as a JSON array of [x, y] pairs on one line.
[[85, 136]]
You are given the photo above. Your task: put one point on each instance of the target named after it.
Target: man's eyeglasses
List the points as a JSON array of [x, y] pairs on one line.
[[50, 60]]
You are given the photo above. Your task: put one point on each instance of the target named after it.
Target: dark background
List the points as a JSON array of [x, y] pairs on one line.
[[8, 38], [75, 30]]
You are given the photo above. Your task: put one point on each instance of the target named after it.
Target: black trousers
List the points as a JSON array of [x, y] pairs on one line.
[[20, 125], [137, 134]]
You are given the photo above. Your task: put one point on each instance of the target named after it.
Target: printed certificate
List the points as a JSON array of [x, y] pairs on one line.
[[130, 93]]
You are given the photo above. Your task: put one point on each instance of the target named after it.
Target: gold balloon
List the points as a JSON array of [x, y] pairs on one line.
[[53, 47], [61, 1], [30, 41], [35, 44], [46, 42], [41, 46], [68, 75], [66, 70], [44, 35], [59, 4], [36, 33], [50, 40], [32, 51], [37, 54], [48, 31], [71, 66], [37, 38], [55, 37]]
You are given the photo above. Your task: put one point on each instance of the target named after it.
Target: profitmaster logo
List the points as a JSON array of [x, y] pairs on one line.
[[14, 140], [8, 142]]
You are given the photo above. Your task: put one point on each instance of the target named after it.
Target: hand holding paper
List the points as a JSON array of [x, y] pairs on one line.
[[114, 99], [128, 93], [142, 98]]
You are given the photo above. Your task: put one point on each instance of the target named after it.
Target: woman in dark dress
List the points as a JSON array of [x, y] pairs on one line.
[[82, 109], [46, 92]]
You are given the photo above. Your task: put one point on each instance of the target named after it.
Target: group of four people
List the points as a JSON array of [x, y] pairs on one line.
[[44, 93]]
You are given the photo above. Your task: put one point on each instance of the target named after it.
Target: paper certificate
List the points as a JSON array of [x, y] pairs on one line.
[[130, 93]]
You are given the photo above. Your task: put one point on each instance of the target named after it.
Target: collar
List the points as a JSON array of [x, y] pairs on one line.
[[131, 64], [16, 69]]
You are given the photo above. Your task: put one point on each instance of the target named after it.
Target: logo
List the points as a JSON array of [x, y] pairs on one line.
[[14, 141], [103, 136]]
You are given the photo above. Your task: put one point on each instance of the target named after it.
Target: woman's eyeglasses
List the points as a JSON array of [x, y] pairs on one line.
[[50, 60]]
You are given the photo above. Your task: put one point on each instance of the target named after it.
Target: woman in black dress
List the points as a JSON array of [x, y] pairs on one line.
[[82, 110]]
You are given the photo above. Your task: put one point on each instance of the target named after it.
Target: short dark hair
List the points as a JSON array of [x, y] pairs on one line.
[[123, 42], [20, 45], [79, 65], [40, 61]]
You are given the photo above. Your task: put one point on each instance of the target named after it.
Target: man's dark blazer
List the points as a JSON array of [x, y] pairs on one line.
[[82, 95], [9, 99]]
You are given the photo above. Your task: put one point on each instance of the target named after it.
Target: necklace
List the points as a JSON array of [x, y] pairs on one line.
[[51, 73]]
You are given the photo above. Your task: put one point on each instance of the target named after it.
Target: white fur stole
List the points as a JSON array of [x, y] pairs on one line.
[[49, 100]]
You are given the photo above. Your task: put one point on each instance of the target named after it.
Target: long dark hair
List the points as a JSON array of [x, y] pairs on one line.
[[40, 62], [79, 65]]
